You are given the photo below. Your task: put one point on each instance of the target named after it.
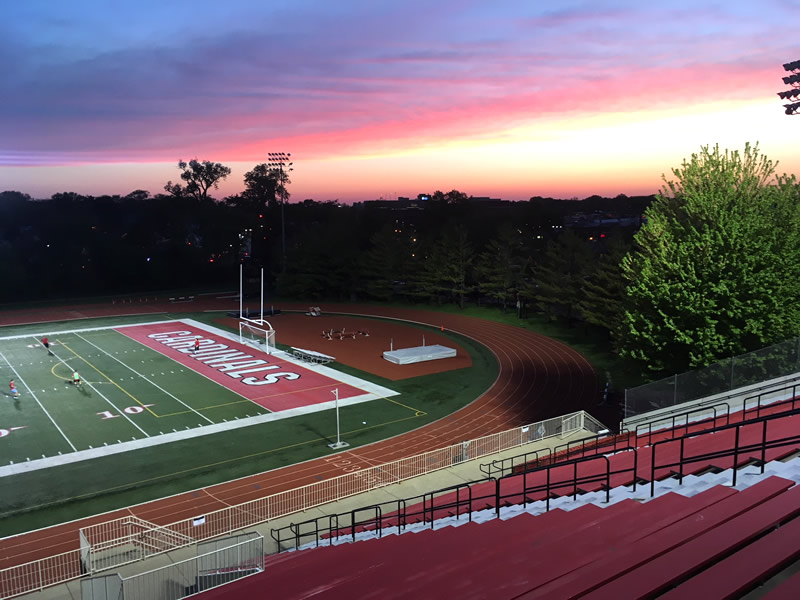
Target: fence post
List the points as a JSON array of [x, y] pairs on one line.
[[625, 405], [675, 390], [735, 455]]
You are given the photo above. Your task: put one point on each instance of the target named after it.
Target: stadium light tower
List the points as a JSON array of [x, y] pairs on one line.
[[282, 162], [794, 93]]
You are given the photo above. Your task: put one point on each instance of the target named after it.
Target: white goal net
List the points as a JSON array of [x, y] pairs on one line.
[[261, 335]]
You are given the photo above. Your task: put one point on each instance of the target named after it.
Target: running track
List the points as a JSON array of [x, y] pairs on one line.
[[538, 378]]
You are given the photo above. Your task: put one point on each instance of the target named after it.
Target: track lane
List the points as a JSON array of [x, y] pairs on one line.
[[538, 378]]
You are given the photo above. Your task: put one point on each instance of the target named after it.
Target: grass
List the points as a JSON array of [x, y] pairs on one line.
[[39, 498], [592, 342], [107, 483]]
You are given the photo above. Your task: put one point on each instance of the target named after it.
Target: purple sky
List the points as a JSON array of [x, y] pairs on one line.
[[378, 99]]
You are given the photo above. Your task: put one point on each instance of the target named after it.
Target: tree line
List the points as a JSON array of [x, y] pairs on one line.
[[705, 269]]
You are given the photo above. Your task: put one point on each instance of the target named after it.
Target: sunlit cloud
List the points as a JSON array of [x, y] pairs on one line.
[[618, 92]]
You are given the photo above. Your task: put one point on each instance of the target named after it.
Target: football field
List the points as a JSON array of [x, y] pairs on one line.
[[147, 384]]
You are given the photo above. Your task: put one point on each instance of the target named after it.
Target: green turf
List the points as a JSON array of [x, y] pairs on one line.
[[40, 498]]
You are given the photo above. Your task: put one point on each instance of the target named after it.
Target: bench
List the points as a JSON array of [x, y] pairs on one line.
[[312, 356]]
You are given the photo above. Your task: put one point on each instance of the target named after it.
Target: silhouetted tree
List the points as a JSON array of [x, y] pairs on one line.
[[603, 291], [199, 178], [557, 277], [500, 265]]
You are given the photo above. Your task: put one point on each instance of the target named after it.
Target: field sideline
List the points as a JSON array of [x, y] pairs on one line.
[[139, 397], [134, 400]]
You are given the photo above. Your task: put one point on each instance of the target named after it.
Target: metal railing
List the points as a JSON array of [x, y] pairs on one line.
[[665, 426], [216, 564], [673, 422], [396, 514], [790, 390], [39, 574], [116, 534]]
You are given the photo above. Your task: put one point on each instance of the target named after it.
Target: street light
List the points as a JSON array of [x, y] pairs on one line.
[[282, 162]]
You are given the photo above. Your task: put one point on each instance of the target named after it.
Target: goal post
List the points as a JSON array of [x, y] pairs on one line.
[[259, 335]]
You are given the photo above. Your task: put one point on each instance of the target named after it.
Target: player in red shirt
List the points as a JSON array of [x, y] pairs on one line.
[[196, 344], [13, 387], [46, 344]]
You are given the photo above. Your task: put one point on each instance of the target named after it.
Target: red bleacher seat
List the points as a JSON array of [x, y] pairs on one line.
[[625, 559], [673, 566]]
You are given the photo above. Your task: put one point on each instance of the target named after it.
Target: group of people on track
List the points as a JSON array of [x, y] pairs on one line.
[[76, 377]]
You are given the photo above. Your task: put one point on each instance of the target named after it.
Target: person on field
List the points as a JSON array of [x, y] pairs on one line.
[[46, 344], [196, 344], [76, 378], [13, 387]]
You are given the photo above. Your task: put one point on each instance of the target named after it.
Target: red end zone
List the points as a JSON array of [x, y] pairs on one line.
[[267, 380]]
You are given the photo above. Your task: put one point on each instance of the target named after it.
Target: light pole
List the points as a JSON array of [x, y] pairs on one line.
[[339, 443], [282, 162]]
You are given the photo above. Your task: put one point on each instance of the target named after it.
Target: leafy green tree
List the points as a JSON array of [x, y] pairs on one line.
[[199, 177], [715, 270], [557, 277], [499, 267], [603, 291]]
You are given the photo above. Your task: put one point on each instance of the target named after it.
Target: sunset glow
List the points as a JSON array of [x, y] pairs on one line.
[[508, 100]]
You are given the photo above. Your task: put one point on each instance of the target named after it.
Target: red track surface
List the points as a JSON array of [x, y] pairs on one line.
[[538, 378]]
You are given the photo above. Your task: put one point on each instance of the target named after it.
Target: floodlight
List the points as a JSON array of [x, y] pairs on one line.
[[792, 66], [792, 109], [789, 94], [792, 79]]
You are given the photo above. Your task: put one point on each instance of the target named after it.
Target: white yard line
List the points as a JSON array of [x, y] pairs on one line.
[[30, 391], [146, 379], [99, 393]]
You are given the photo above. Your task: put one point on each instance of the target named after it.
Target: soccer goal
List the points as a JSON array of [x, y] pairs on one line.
[[261, 335]]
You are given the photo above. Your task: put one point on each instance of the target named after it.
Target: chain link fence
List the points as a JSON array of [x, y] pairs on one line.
[[723, 376]]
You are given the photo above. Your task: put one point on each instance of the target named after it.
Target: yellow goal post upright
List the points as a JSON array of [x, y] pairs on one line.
[[257, 332]]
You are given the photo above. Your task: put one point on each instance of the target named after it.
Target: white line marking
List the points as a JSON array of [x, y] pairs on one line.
[[22, 381], [145, 378], [99, 393]]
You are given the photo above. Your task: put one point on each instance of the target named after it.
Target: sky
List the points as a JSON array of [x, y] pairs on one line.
[[382, 99]]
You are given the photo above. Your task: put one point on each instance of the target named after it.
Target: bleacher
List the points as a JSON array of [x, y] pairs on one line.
[[705, 509]]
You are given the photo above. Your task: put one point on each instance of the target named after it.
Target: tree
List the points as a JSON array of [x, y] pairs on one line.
[[445, 270], [199, 177], [715, 269], [384, 263], [261, 186], [603, 291], [138, 195], [557, 279], [499, 267]]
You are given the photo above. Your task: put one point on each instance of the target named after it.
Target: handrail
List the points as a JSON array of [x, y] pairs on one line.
[[615, 438], [700, 402], [572, 483], [594, 442], [736, 427], [457, 504], [760, 396], [500, 464], [687, 424]]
